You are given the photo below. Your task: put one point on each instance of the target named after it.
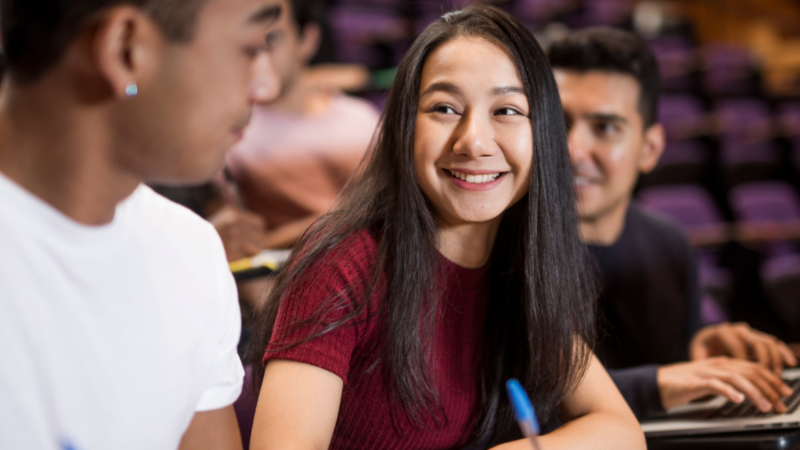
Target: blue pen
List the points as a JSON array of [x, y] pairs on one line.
[[523, 412]]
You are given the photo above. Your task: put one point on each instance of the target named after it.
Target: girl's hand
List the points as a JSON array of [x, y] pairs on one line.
[[595, 416]]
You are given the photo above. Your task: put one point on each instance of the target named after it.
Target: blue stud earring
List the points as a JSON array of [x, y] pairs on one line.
[[131, 89]]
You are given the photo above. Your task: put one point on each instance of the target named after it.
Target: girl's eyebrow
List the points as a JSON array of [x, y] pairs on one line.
[[450, 88], [442, 86], [504, 90]]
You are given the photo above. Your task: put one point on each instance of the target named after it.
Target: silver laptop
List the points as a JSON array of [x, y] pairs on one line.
[[718, 415]]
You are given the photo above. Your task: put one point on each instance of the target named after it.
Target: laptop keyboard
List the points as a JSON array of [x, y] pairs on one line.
[[747, 409]]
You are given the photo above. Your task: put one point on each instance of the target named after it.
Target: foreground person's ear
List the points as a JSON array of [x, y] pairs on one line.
[[126, 50]]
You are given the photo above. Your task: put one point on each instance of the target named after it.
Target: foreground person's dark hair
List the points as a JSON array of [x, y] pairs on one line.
[[37, 32], [541, 303]]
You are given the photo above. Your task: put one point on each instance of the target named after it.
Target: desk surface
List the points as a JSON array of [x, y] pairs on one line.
[[753, 440]]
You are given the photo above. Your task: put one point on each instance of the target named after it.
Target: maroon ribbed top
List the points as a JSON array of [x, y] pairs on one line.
[[365, 420]]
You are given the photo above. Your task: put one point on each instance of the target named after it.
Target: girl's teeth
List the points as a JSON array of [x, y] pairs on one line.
[[475, 179]]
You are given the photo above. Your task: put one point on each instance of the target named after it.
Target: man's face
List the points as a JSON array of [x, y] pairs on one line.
[[606, 138], [289, 54], [198, 103]]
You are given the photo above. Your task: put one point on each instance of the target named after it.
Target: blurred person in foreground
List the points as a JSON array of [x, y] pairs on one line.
[[608, 82], [119, 318], [301, 148]]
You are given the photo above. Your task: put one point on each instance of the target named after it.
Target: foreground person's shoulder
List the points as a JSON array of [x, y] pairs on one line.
[[147, 205]]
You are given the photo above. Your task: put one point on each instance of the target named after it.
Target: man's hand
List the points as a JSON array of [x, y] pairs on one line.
[[242, 232], [735, 379], [739, 341]]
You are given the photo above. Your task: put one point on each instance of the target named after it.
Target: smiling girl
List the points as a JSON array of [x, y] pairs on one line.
[[452, 264]]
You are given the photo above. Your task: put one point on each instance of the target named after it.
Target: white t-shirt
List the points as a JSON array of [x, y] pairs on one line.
[[113, 336]]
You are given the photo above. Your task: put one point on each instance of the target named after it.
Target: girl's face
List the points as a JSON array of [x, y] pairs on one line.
[[473, 146]]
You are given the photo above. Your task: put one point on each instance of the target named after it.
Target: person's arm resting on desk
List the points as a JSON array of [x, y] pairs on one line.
[[595, 416]]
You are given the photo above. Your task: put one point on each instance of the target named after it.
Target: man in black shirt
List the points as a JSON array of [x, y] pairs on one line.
[[650, 304]]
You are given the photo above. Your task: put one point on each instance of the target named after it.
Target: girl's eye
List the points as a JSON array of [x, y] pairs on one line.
[[507, 112], [443, 109]]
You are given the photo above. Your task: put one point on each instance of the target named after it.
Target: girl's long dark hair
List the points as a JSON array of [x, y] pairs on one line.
[[539, 322]]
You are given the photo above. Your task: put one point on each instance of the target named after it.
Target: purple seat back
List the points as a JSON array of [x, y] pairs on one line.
[[734, 153], [357, 29], [690, 205], [606, 12], [683, 152], [679, 113], [789, 117], [739, 116], [780, 267], [442, 6], [781, 275], [772, 201], [537, 10], [677, 59], [727, 67]]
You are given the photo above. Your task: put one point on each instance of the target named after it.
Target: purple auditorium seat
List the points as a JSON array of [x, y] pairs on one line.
[[728, 69], [774, 204], [781, 278], [734, 153], [539, 11], [772, 207], [711, 312], [371, 3], [684, 152], [746, 151], [789, 118], [423, 21], [677, 60], [682, 162], [683, 116], [743, 119], [690, 205], [606, 12], [358, 30], [442, 6], [770, 201], [694, 209]]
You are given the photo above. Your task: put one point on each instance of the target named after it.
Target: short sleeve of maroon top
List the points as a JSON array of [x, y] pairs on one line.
[[365, 416]]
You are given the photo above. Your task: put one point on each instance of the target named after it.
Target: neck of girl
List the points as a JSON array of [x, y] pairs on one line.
[[467, 244]]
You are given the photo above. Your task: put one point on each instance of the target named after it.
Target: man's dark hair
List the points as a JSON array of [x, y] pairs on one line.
[[308, 11], [305, 12], [36, 33], [616, 51]]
